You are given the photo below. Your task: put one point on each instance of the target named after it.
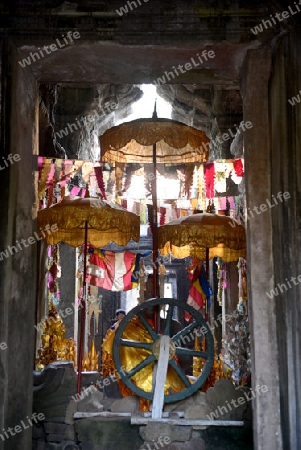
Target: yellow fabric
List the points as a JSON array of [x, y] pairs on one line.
[[191, 235], [107, 222], [133, 142], [225, 253], [131, 356]]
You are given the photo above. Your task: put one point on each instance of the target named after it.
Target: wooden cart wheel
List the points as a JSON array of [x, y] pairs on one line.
[[178, 348]]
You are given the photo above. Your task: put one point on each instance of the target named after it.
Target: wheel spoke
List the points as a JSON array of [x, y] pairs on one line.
[[147, 343], [181, 334], [190, 352], [136, 344], [148, 327], [167, 329], [180, 372], [141, 365]]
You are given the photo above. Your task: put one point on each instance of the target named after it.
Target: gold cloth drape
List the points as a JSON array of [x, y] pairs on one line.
[[175, 142], [191, 235], [222, 251], [107, 222], [131, 357]]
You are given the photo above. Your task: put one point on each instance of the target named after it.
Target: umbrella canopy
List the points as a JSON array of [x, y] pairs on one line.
[[82, 220], [132, 142], [106, 222], [192, 235], [154, 141]]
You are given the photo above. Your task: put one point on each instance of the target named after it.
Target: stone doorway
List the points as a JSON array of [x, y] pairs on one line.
[[264, 95]]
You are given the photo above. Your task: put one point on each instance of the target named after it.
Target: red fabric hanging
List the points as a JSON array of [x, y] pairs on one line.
[[99, 177], [238, 167], [162, 215], [150, 213], [209, 173]]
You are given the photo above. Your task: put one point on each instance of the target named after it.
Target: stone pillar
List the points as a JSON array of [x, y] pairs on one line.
[[265, 352], [286, 215], [18, 267]]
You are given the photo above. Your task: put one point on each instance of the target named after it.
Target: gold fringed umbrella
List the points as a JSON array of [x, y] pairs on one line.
[[133, 142], [203, 236], [193, 235], [79, 221], [154, 141], [106, 222]]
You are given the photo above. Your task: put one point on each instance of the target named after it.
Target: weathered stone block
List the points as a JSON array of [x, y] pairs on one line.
[[39, 445], [194, 444], [70, 410], [153, 430], [98, 434], [55, 428], [126, 404], [62, 446], [92, 403], [198, 412], [199, 398], [59, 432], [53, 389], [227, 402], [182, 405], [37, 431]]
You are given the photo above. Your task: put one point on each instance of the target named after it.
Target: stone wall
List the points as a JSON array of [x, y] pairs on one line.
[[18, 269], [285, 177]]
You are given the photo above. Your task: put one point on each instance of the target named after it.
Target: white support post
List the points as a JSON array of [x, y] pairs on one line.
[[158, 400]]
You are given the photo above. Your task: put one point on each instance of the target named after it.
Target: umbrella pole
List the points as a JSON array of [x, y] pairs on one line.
[[155, 228], [207, 276], [155, 241], [83, 317]]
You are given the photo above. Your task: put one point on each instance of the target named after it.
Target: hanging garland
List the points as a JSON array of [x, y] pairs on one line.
[[54, 273], [236, 348], [99, 177]]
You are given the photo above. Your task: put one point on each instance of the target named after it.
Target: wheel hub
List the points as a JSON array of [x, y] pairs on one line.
[[156, 349]]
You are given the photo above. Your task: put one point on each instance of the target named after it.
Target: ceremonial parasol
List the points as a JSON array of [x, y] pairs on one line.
[[203, 236], [154, 141], [203, 233], [88, 220]]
